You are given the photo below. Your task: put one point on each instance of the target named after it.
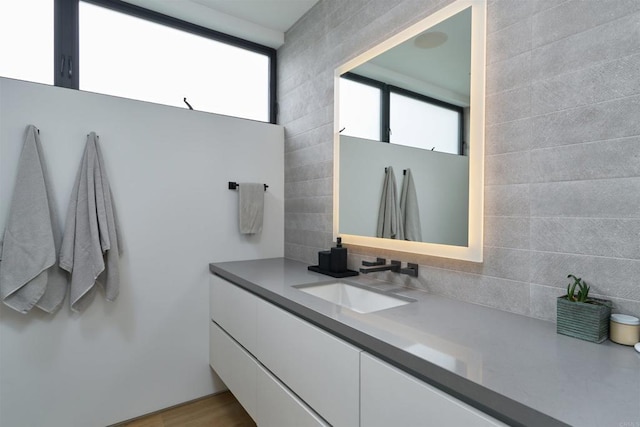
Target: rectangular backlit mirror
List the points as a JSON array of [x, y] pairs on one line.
[[409, 138]]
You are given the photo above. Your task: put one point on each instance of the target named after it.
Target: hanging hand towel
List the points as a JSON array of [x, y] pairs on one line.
[[90, 246], [28, 271], [409, 209], [389, 218], [250, 207]]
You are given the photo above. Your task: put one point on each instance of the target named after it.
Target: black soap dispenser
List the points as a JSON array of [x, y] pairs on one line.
[[338, 257], [333, 262]]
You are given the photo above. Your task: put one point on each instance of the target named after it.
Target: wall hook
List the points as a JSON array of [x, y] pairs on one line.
[[186, 102]]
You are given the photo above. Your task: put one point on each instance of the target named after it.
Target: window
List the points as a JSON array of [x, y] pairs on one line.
[[152, 62], [375, 110], [420, 124], [31, 23], [359, 109], [117, 48]]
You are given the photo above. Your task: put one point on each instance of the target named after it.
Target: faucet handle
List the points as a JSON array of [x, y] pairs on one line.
[[378, 261], [411, 270]]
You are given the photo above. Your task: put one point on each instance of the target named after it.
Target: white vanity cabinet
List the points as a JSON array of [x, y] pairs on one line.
[[283, 370], [287, 372], [391, 397]]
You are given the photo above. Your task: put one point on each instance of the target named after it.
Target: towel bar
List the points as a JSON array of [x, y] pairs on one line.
[[235, 185]]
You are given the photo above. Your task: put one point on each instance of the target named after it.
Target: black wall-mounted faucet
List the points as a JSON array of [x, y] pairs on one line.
[[396, 266], [379, 265]]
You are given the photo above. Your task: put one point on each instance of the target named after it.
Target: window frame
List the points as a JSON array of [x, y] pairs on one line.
[[385, 105], [66, 42]]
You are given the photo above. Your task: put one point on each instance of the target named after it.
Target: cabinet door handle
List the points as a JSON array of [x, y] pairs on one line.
[[70, 61], [62, 66]]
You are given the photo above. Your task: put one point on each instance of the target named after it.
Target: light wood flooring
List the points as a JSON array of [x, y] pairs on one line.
[[220, 410]]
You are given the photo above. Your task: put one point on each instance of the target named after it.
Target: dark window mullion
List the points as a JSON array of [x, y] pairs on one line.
[[273, 88], [461, 142], [65, 50], [385, 114]]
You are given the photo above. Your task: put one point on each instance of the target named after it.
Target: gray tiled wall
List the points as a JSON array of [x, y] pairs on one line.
[[562, 189]]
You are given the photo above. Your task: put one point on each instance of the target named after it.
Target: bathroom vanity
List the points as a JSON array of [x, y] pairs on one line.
[[293, 358]]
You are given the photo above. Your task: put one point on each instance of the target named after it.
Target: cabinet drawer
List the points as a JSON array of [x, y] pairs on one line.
[[235, 366], [322, 369], [264, 398], [392, 397], [279, 407], [234, 310]]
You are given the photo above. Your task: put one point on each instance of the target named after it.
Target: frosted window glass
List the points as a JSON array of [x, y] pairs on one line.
[[419, 124], [359, 110], [26, 40], [130, 57]]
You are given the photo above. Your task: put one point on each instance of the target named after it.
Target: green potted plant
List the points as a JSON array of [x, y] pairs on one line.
[[581, 316]]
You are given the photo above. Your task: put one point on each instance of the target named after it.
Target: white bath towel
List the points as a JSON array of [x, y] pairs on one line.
[[28, 272], [90, 246], [410, 209], [389, 218], [250, 207]]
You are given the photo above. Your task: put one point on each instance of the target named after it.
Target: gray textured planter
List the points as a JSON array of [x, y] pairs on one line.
[[589, 322]]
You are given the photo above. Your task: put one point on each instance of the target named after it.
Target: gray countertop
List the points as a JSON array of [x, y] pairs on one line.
[[512, 367]]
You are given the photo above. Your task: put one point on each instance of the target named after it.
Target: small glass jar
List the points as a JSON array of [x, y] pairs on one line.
[[624, 329]]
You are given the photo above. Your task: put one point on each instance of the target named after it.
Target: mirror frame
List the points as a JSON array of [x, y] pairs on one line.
[[473, 250]]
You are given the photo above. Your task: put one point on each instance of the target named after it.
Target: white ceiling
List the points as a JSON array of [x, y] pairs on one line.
[[260, 21], [275, 14]]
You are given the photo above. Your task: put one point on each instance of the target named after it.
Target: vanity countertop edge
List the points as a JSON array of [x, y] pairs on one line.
[[501, 363]]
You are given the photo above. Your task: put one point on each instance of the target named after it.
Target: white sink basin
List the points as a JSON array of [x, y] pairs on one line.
[[356, 298]]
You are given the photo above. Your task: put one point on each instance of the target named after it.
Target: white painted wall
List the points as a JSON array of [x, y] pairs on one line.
[[441, 180], [169, 170]]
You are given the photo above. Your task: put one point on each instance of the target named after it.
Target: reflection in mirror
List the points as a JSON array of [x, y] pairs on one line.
[[414, 106], [441, 181], [416, 93]]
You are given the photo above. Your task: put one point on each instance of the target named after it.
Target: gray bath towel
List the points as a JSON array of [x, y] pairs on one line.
[[389, 218], [90, 249], [410, 209], [250, 207], [28, 272], [58, 282]]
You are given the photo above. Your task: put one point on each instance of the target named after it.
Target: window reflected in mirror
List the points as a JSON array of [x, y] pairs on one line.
[[360, 105], [420, 124]]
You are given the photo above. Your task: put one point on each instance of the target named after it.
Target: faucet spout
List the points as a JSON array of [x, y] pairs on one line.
[[394, 266]]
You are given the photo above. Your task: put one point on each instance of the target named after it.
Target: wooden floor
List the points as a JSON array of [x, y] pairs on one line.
[[220, 410]]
